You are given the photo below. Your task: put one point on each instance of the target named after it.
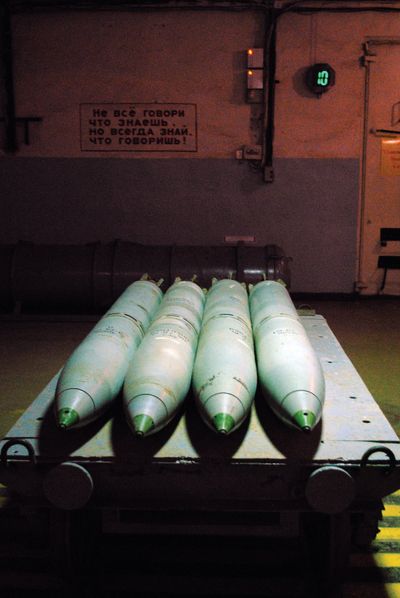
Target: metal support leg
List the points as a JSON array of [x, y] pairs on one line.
[[327, 543]]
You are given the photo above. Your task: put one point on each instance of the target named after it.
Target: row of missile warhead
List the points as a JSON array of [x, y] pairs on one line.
[[152, 347]]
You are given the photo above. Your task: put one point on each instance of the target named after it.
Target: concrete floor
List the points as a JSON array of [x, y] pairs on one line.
[[32, 351]]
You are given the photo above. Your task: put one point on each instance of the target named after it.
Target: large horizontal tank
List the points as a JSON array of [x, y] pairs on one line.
[[92, 276]]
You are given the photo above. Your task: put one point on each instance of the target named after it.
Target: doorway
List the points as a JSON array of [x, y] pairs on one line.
[[380, 189]]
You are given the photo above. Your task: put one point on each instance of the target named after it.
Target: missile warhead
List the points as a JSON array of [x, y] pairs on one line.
[[153, 404], [224, 373], [94, 373], [289, 371], [223, 423], [142, 424], [67, 418], [158, 379]]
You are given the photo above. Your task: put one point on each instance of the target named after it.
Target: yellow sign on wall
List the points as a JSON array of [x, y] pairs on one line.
[[390, 157]]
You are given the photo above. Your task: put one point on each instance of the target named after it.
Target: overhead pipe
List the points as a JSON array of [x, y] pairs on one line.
[[92, 276], [140, 5], [8, 74], [269, 91]]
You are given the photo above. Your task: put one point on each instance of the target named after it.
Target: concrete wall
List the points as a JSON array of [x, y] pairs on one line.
[[195, 202], [64, 60], [52, 191]]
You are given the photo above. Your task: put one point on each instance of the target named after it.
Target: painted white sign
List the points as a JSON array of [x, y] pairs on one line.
[[138, 127]]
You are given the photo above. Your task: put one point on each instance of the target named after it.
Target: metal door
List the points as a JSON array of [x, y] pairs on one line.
[[380, 189]]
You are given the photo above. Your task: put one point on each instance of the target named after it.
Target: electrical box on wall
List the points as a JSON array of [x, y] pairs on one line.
[[255, 79], [255, 75], [255, 58]]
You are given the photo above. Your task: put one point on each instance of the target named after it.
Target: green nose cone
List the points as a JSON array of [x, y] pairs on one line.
[[223, 423], [305, 420], [142, 424], [66, 418]]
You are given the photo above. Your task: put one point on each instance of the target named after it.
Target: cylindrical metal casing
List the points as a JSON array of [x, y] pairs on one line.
[[94, 373], [289, 371], [92, 276], [224, 373], [158, 379]]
